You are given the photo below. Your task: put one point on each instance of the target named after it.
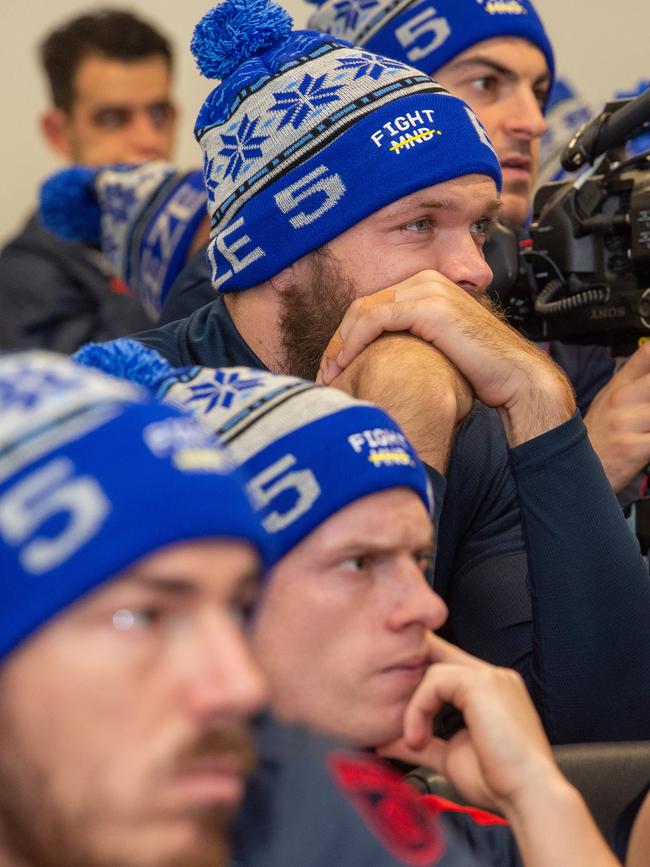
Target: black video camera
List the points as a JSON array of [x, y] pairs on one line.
[[583, 276]]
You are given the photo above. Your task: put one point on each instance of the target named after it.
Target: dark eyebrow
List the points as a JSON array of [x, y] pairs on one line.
[[170, 587], [187, 588], [371, 546], [478, 60]]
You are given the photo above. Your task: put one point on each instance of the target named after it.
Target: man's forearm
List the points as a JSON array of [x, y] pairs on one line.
[[553, 826]]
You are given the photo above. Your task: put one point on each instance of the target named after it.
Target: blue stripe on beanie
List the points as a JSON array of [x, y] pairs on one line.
[[92, 479], [309, 135], [428, 34]]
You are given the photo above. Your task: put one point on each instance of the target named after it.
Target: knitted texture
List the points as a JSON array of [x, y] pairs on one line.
[[144, 218], [69, 207], [306, 450], [93, 476], [308, 135]]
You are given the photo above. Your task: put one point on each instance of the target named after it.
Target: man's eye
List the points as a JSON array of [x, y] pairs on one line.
[[112, 118], [481, 230], [425, 563], [242, 611], [130, 619], [486, 83], [160, 114], [355, 564], [419, 227]]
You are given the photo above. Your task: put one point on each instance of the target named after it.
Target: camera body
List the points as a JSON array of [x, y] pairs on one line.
[[583, 276]]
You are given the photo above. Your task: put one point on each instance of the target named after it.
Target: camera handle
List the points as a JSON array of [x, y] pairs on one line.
[[620, 120]]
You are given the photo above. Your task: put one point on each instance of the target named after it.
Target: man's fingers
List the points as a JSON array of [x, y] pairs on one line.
[[444, 651], [380, 318], [637, 365], [443, 683], [347, 342]]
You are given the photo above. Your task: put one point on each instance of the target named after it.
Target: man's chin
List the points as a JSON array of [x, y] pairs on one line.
[[190, 841]]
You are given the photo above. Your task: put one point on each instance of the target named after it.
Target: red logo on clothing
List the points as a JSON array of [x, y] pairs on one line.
[[118, 286], [390, 807]]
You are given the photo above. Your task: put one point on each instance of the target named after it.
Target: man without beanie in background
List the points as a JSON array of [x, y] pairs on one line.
[[109, 74]]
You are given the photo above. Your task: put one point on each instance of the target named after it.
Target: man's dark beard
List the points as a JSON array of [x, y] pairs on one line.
[[311, 313], [35, 832]]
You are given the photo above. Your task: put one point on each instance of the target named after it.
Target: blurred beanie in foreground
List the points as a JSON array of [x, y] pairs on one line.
[[94, 474], [306, 450]]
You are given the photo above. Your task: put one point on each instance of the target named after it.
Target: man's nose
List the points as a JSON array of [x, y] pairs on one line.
[[220, 675], [418, 603], [464, 264], [524, 118], [147, 140]]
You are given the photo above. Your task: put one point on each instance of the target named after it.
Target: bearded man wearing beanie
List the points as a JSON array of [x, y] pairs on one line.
[[332, 175], [497, 57]]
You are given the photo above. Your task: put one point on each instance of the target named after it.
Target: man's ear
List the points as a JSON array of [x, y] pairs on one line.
[[283, 281], [55, 128], [297, 274]]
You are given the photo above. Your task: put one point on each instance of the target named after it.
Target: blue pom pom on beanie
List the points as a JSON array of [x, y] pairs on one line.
[[69, 207], [307, 135], [127, 359]]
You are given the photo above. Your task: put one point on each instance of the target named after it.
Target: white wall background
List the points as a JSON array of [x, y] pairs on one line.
[[601, 45]]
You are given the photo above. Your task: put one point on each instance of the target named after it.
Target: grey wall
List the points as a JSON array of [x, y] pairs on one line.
[[602, 46]]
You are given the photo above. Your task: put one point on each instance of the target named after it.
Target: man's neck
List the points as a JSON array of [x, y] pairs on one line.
[[256, 315]]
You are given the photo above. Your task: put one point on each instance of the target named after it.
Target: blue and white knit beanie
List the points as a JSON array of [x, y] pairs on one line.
[[430, 33], [306, 135], [143, 217], [306, 450], [93, 476]]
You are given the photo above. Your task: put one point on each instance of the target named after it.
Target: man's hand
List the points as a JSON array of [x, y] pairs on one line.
[[504, 369], [501, 760], [618, 421], [418, 386], [503, 751]]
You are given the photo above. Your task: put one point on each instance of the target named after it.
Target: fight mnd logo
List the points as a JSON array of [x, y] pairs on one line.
[[503, 7], [382, 447], [406, 130], [185, 445]]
